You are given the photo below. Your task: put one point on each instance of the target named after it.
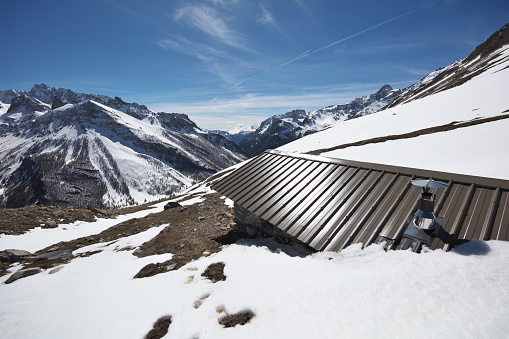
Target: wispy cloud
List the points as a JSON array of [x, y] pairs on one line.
[[224, 3], [218, 62], [201, 51], [209, 21], [253, 108], [266, 18], [310, 52], [383, 48]]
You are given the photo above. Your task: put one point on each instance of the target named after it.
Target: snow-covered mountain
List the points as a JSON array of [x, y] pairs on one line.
[[454, 120], [238, 132], [58, 147], [281, 129]]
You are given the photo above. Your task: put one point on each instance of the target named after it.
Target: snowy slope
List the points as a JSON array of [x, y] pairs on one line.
[[355, 294], [477, 150]]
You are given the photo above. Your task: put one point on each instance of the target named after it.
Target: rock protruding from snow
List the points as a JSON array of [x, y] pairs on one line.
[[56, 255], [23, 274]]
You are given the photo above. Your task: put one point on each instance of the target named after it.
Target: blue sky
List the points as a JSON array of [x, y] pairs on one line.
[[236, 61]]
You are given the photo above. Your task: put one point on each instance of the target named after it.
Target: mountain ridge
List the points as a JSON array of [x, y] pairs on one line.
[[284, 128], [65, 148]]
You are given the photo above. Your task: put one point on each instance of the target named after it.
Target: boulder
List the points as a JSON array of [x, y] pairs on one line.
[[59, 214], [12, 255], [172, 204], [50, 224], [56, 255], [22, 274]]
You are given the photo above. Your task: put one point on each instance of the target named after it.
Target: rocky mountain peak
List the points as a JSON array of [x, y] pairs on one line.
[[42, 92], [25, 104], [383, 92]]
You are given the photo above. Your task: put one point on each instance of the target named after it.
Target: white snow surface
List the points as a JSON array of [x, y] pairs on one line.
[[478, 150], [355, 294], [475, 150], [4, 108]]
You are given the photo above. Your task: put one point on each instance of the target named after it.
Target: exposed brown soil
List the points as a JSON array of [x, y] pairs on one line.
[[160, 328], [15, 221], [215, 272], [443, 128], [192, 230], [232, 320]]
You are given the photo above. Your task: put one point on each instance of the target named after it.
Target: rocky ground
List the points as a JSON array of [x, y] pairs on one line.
[[192, 231]]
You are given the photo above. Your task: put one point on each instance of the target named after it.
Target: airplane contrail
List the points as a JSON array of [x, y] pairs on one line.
[[369, 29], [309, 52]]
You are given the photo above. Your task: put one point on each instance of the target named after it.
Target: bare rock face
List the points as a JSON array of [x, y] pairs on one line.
[[57, 103]]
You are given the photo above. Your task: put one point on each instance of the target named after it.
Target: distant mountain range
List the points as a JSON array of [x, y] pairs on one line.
[[282, 129], [62, 148]]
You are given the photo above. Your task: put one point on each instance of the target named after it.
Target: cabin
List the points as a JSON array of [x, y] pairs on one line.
[[329, 204]]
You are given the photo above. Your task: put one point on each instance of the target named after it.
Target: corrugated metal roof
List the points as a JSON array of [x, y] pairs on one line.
[[332, 203]]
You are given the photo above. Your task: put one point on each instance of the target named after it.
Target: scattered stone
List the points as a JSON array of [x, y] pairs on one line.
[[56, 255], [201, 218], [172, 204], [59, 214], [232, 320], [215, 272], [22, 274], [12, 255], [200, 301], [155, 268], [228, 215], [56, 269], [50, 223], [160, 328], [183, 209]]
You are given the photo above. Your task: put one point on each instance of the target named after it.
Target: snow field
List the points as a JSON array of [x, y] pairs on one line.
[[356, 294], [474, 150]]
